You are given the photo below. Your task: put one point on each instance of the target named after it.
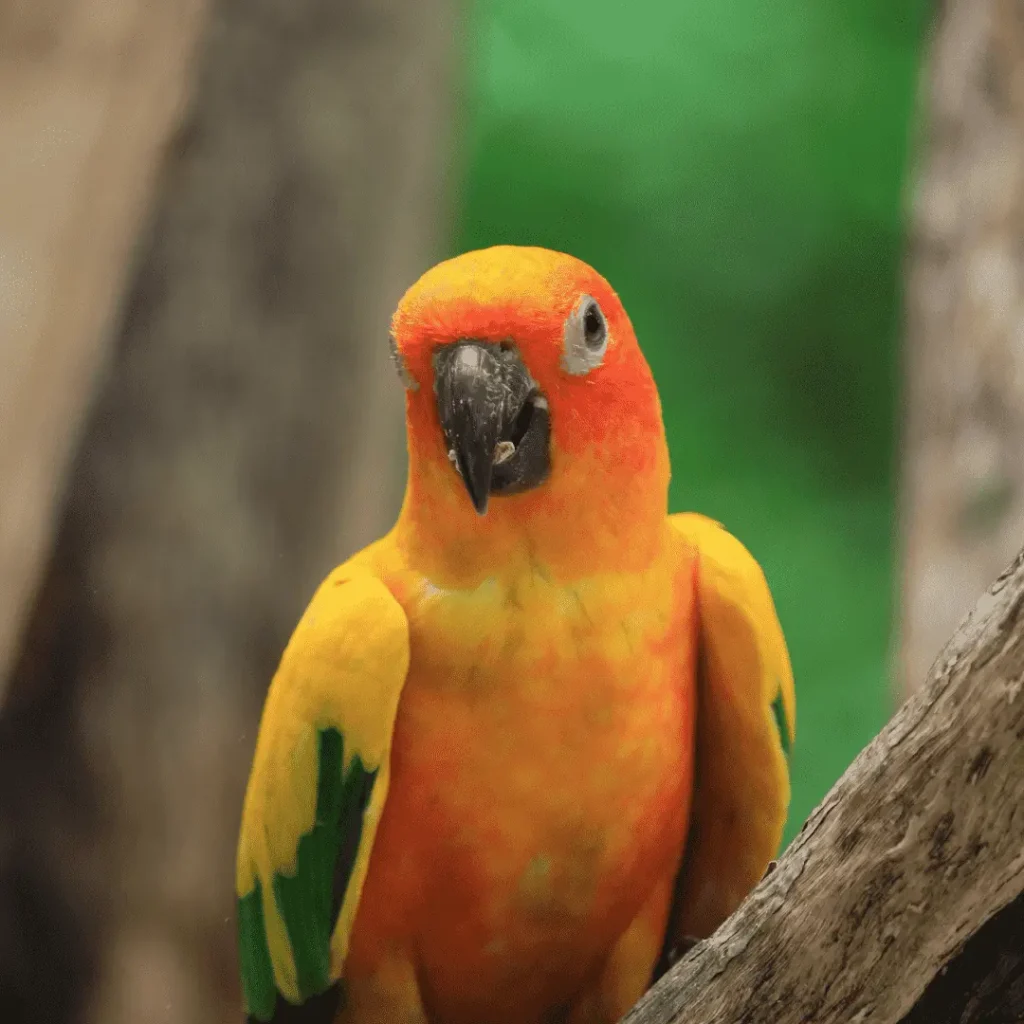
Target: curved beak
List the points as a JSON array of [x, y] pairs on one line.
[[492, 416]]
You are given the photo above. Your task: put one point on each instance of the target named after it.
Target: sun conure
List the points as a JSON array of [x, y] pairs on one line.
[[523, 745]]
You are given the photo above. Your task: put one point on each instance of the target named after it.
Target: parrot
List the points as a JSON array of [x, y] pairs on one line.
[[534, 741]]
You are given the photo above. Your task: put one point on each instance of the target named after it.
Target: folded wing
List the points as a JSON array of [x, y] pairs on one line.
[[746, 710], [316, 792]]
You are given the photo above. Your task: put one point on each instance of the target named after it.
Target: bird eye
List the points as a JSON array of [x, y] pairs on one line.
[[407, 379], [586, 338], [594, 328]]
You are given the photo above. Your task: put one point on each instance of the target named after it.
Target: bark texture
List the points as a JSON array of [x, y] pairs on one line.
[[963, 451], [902, 899], [248, 436]]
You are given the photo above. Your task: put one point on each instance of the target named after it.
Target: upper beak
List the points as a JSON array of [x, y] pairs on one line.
[[480, 389]]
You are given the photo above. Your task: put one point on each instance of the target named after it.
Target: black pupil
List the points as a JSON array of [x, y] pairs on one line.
[[593, 326]]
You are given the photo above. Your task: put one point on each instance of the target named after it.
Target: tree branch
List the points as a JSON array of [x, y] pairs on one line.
[[902, 899]]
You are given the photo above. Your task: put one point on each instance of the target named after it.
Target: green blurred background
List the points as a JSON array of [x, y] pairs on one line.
[[735, 168]]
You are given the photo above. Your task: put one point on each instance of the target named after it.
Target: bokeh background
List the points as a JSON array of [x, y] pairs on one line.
[[812, 210], [736, 170]]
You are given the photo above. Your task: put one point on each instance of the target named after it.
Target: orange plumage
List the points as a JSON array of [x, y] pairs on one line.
[[521, 863]]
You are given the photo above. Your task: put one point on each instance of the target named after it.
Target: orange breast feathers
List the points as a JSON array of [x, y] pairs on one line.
[[541, 774]]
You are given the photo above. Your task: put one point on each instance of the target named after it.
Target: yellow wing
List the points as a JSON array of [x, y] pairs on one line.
[[317, 788], [746, 717]]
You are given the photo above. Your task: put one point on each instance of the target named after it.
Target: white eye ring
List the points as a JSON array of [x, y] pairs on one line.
[[586, 338], [407, 379]]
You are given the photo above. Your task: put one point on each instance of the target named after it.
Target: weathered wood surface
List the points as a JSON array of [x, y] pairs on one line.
[[963, 445], [902, 900], [89, 92]]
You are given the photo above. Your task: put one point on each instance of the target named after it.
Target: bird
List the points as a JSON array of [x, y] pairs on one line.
[[534, 741]]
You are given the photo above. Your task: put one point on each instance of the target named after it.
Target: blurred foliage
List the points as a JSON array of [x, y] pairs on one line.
[[735, 168]]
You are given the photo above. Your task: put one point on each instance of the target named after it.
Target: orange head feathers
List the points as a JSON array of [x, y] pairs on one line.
[[534, 426]]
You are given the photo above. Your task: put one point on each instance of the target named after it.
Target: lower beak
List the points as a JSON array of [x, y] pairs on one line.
[[485, 401]]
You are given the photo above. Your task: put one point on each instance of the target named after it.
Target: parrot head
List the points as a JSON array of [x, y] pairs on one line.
[[533, 422]]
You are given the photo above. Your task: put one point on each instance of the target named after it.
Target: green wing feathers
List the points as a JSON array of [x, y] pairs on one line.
[[746, 719], [317, 789]]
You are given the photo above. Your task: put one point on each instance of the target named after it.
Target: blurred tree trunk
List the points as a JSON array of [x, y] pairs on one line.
[[963, 451], [89, 92], [248, 437]]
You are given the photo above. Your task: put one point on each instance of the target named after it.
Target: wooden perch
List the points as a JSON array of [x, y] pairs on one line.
[[902, 899]]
